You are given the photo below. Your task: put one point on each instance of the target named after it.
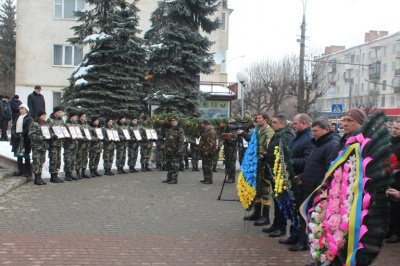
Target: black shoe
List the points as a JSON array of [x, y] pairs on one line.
[[78, 175], [277, 233], [92, 174], [166, 180], [43, 182], [18, 173], [123, 171], [131, 170], [393, 239], [83, 174], [270, 229], [136, 171], [54, 178], [207, 182], [119, 171], [67, 177], [288, 241], [230, 180], [262, 221], [299, 247], [202, 181], [147, 168], [215, 169], [96, 173], [73, 177], [143, 169], [173, 181]]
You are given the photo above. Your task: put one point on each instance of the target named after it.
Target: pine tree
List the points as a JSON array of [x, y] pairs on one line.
[[110, 79], [179, 53], [7, 46]]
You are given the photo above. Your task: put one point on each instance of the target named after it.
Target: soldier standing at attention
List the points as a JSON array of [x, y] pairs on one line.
[[194, 151], [108, 147], [133, 145], [174, 141], [95, 147], [160, 144], [55, 119], [207, 147], [145, 146], [82, 151], [70, 147], [39, 146], [121, 145]]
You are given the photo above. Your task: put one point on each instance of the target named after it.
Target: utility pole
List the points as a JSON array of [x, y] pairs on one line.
[[300, 92]]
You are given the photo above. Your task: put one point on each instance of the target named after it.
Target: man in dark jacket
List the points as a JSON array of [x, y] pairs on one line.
[[300, 147], [36, 102], [284, 134], [14, 104], [6, 118]]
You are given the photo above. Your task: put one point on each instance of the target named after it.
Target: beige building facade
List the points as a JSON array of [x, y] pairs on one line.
[[365, 76], [44, 57]]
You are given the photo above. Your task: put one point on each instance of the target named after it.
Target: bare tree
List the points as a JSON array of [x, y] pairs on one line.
[[368, 102]]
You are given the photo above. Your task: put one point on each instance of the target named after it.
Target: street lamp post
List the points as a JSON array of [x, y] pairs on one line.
[[242, 77]]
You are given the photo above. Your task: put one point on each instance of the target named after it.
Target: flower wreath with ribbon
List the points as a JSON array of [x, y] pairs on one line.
[[347, 221]]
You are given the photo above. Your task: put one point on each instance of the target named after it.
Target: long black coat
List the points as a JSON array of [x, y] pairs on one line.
[[319, 161], [25, 126], [301, 147]]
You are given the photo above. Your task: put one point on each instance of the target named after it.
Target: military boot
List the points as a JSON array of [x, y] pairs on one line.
[[123, 171], [38, 180], [67, 176], [92, 173], [78, 174], [83, 174], [215, 169], [96, 173], [181, 165], [256, 213], [119, 170], [131, 169], [109, 171], [147, 168], [27, 168], [197, 167], [73, 177], [264, 219], [143, 169], [193, 167], [54, 178]]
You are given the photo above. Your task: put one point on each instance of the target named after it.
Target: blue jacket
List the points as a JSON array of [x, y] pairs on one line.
[[301, 147], [319, 161]]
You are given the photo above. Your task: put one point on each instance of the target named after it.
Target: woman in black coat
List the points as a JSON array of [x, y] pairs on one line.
[[20, 142]]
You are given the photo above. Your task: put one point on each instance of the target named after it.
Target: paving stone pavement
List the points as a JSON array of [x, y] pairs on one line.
[[134, 219]]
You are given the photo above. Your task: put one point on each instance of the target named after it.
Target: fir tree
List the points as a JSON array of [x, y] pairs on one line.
[[110, 79], [179, 52], [7, 46]]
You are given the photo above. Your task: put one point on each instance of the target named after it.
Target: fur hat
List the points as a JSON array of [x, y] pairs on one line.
[[25, 107]]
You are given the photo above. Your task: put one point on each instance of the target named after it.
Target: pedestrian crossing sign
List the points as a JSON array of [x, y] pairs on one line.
[[337, 109]]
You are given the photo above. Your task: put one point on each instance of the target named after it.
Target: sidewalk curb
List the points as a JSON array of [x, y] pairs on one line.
[[9, 182]]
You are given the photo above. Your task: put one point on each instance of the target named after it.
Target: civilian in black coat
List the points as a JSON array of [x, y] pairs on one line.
[[15, 103], [36, 102]]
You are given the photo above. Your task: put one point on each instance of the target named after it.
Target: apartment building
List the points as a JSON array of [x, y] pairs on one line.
[[44, 57], [365, 76]]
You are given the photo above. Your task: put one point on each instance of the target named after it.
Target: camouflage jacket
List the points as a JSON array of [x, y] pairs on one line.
[[107, 143], [122, 138], [207, 145], [133, 143], [38, 141], [53, 121], [95, 143], [174, 140], [69, 143], [265, 136]]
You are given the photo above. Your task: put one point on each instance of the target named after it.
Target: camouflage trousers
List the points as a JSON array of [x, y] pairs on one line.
[[215, 159], [108, 158], [195, 154], [264, 188], [145, 152], [172, 162], [54, 159], [230, 162], [94, 159], [81, 159], [161, 156], [69, 160], [121, 154], [38, 159], [207, 162], [132, 156]]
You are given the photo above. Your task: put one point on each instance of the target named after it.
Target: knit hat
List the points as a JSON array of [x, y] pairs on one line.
[[107, 120], [25, 107], [37, 87], [357, 114], [71, 114], [81, 113], [120, 117], [134, 117], [93, 118], [40, 113], [16, 96], [56, 109], [7, 97]]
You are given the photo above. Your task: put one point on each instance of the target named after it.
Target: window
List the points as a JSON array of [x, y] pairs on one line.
[[370, 54], [394, 66], [66, 8], [369, 86], [384, 68], [362, 86], [362, 57], [392, 101], [67, 55], [394, 49], [384, 51], [384, 85], [378, 53], [56, 98], [223, 21], [357, 58], [383, 101]]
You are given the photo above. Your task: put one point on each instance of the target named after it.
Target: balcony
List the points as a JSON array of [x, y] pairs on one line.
[[375, 70], [396, 89], [373, 93]]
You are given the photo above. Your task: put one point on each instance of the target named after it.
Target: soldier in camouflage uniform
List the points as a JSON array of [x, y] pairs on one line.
[[174, 141], [95, 147], [55, 119], [160, 145], [122, 145], [39, 146], [108, 147], [133, 146], [195, 153], [82, 152], [70, 147], [208, 149], [230, 152], [145, 146]]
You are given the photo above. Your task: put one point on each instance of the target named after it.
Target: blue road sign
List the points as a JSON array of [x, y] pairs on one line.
[[337, 109]]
